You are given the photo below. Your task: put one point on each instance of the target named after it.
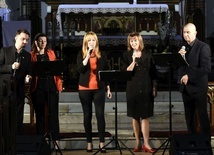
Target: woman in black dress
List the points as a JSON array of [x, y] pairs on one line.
[[141, 90]]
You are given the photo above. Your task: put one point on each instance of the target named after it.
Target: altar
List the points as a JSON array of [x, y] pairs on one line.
[[123, 14], [112, 22]]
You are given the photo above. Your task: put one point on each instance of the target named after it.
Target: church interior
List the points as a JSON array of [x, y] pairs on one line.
[[160, 23]]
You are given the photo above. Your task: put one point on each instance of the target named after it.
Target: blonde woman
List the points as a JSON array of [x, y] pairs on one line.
[[89, 62], [141, 90]]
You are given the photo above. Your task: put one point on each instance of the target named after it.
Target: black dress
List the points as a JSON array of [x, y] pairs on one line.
[[140, 101]]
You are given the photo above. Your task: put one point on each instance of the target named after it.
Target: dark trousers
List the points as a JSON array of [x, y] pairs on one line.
[[19, 114], [16, 102], [8, 126], [98, 97], [194, 103], [39, 99]]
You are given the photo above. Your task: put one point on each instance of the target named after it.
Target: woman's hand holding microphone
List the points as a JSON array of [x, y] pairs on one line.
[[85, 61]]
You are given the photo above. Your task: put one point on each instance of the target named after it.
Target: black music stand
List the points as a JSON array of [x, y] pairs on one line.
[[115, 76], [47, 69], [169, 60]]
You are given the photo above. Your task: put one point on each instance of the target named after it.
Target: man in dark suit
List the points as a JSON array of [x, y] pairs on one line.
[[194, 80], [15, 69]]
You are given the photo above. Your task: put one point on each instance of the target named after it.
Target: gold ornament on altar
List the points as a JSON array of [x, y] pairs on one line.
[[210, 94]]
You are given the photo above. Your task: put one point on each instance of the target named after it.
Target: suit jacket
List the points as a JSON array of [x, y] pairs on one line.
[[199, 59], [7, 58]]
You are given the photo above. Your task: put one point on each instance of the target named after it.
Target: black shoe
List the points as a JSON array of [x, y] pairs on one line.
[[89, 150], [103, 150]]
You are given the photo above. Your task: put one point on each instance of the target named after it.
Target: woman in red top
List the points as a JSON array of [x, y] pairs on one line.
[[89, 62], [44, 91]]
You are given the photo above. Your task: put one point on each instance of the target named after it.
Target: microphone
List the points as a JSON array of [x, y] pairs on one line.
[[18, 59], [183, 48], [136, 59], [91, 50]]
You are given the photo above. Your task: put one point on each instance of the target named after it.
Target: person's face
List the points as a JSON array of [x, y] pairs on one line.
[[21, 40], [134, 42], [189, 33], [91, 43], [41, 42]]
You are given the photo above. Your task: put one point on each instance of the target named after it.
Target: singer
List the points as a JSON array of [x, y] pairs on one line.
[[42, 89], [141, 90], [16, 62], [194, 81], [89, 62]]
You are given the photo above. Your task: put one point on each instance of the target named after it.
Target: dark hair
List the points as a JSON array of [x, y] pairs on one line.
[[36, 38], [22, 31], [38, 35]]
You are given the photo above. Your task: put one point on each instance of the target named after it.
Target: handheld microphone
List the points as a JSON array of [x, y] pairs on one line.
[[136, 58], [91, 50], [18, 59], [183, 48]]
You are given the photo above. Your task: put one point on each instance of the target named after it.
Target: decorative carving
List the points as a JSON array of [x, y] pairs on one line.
[[57, 33], [166, 31], [65, 30], [111, 8], [116, 25], [210, 94], [50, 34]]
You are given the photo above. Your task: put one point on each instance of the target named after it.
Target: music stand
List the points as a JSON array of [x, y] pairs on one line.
[[169, 60], [51, 68], [47, 69], [115, 76]]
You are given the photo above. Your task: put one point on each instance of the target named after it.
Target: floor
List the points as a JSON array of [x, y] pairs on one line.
[[109, 152]]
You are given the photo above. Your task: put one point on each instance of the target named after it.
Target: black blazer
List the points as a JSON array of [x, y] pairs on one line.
[[7, 58], [146, 63], [84, 71], [199, 59]]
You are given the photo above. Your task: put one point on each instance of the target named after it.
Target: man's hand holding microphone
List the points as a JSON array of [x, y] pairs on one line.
[[185, 78], [16, 66], [183, 52]]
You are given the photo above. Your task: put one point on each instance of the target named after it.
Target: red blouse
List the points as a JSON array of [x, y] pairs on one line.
[[93, 84]]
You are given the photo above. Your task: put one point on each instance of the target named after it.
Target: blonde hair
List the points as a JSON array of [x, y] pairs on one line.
[[140, 39], [88, 36]]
